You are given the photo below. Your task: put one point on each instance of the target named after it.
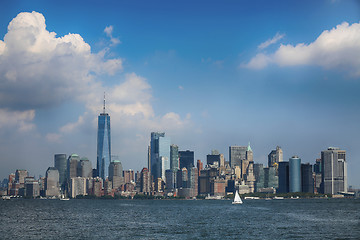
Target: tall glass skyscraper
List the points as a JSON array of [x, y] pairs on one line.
[[159, 154], [295, 174], [103, 144]]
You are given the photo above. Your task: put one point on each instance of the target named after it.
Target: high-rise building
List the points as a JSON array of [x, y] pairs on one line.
[[334, 171], [20, 176], [145, 183], [275, 156], [236, 155], [295, 174], [60, 163], [215, 158], [84, 168], [72, 166], [307, 180], [52, 188], [159, 155], [77, 186], [103, 144], [283, 172], [129, 176], [116, 172], [174, 157], [186, 159], [32, 188]]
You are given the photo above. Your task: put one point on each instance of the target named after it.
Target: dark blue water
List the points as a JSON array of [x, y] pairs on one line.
[[180, 219]]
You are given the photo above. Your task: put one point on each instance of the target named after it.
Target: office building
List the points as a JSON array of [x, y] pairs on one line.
[[52, 188], [236, 155], [72, 166], [129, 176], [295, 174], [116, 173], [159, 155], [60, 163], [274, 157], [32, 188], [84, 168], [283, 173], [145, 183], [77, 187], [334, 171], [215, 158], [174, 158], [103, 144], [186, 159], [20, 176], [307, 180]]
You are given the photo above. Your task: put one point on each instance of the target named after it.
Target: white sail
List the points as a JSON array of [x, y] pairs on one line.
[[237, 199]]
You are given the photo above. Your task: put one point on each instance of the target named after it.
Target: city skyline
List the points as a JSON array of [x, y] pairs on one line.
[[210, 75]]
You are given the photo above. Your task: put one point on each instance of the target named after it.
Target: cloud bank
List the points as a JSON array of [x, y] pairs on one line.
[[337, 48]]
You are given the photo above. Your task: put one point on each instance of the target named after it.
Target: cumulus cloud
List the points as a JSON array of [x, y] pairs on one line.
[[39, 69], [337, 48], [108, 31], [271, 41]]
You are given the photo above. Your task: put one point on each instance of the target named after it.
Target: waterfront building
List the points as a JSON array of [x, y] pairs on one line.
[[250, 177], [116, 173], [317, 175], [186, 159], [77, 186], [159, 154], [97, 189], [60, 163], [145, 183], [204, 182], [103, 144], [266, 178], [307, 180], [128, 176], [283, 173], [334, 171], [72, 166], [84, 168], [52, 188], [295, 174], [20, 176], [236, 155], [217, 187], [32, 188], [193, 181]]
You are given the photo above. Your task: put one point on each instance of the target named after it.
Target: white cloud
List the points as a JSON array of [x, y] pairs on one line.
[[108, 31], [271, 41], [181, 87], [337, 48], [38, 69]]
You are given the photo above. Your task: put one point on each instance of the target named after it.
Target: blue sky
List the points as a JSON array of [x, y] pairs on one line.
[[210, 74]]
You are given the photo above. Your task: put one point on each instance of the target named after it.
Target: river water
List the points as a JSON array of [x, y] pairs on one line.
[[180, 219]]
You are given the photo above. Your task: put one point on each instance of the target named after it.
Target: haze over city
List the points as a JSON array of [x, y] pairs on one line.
[[209, 74]]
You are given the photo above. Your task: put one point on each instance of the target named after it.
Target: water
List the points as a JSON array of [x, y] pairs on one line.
[[180, 219]]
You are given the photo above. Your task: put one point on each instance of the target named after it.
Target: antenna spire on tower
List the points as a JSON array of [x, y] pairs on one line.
[[104, 103]]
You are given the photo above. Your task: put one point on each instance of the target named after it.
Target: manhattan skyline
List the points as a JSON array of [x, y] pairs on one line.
[[209, 74]]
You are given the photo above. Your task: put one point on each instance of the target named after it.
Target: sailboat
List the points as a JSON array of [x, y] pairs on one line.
[[237, 199]]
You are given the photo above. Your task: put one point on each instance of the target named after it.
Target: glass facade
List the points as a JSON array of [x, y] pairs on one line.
[[60, 162], [159, 154], [103, 146], [295, 174], [174, 157], [186, 159], [236, 155]]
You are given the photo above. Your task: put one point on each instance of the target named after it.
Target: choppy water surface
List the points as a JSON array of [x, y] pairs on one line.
[[180, 219]]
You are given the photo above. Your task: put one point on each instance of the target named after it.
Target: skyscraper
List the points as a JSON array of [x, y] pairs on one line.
[[103, 144], [72, 165], [174, 157], [295, 174], [159, 154], [186, 159], [275, 156], [236, 155], [60, 163], [283, 172], [52, 182], [334, 171], [84, 168]]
